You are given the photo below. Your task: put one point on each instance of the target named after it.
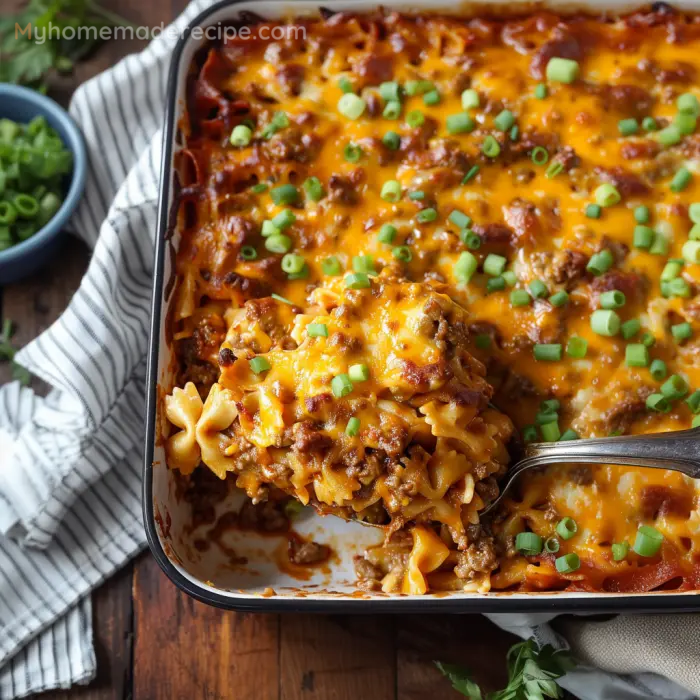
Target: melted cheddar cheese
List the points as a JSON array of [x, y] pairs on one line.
[[423, 453]]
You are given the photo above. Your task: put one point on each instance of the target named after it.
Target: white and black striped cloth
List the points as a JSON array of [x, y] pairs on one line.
[[70, 464]]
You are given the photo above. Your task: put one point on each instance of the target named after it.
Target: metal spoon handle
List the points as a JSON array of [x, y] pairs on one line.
[[676, 450]]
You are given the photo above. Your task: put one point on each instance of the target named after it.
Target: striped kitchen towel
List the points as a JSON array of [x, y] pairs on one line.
[[70, 464]]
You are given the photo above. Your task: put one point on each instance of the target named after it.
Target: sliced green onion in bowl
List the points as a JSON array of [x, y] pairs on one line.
[[648, 541], [568, 563], [620, 550], [528, 544], [567, 528]]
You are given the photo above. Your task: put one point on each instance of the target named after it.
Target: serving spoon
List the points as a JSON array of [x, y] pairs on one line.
[[679, 451]]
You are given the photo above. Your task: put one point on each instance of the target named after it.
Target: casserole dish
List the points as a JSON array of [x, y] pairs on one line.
[[242, 574]]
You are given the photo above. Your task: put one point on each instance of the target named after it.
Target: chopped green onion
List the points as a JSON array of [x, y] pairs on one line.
[[643, 237], [402, 253], [292, 264], [554, 169], [416, 196], [471, 174], [519, 297], [660, 245], [691, 252], [460, 123], [649, 124], [504, 120], [317, 330], [550, 432], [352, 153], [694, 212], [278, 243], [259, 188], [630, 328], [390, 90], [494, 264], [345, 84], [465, 267], [259, 365], [459, 219], [685, 123], [392, 110], [353, 427], [687, 103], [613, 299], [391, 191], [620, 550], [567, 528], [539, 155], [284, 194], [357, 280], [351, 106], [551, 545], [331, 266], [341, 385], [241, 135], [559, 298], [648, 541], [694, 233], [547, 352], [562, 70], [600, 263], [681, 180], [593, 211], [658, 370], [606, 195], [387, 233], [415, 118], [681, 331], [550, 405], [490, 147], [470, 99], [269, 229], [569, 435], [391, 140], [27, 206], [568, 563], [364, 264], [282, 299], [358, 373], [284, 219], [313, 188], [648, 339], [627, 127], [471, 239], [577, 347], [249, 253], [528, 544], [538, 289], [670, 136], [675, 387], [642, 214], [431, 98], [671, 269], [495, 284], [427, 215], [695, 423], [605, 322], [529, 433], [540, 91], [514, 133], [509, 276], [658, 402], [418, 87], [636, 355], [693, 401]]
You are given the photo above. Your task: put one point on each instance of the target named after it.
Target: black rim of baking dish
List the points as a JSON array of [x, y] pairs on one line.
[[596, 603]]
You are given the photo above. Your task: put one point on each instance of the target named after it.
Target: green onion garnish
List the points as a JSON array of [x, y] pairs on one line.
[[427, 215], [612, 299], [345, 84], [550, 431], [675, 387], [577, 347], [630, 328], [282, 299], [317, 330], [606, 195], [358, 373], [643, 237], [660, 245], [568, 563], [540, 91], [547, 352], [283, 220], [249, 253], [490, 147], [620, 550], [358, 280], [459, 219], [241, 135], [415, 118], [658, 402], [351, 106], [470, 99], [529, 433], [670, 136], [593, 211], [471, 240], [387, 233], [391, 140], [390, 91], [364, 264], [471, 174], [504, 120], [431, 98], [402, 253], [554, 169], [642, 214], [539, 155], [418, 87], [495, 284], [416, 195], [259, 188], [600, 263], [693, 401], [649, 124], [681, 331], [465, 267], [292, 264], [658, 370], [508, 275], [392, 110], [551, 545], [519, 297], [538, 289], [559, 298], [341, 385], [562, 70], [569, 435], [687, 103], [278, 243], [605, 322], [694, 212], [691, 252], [648, 541], [528, 544], [636, 355], [494, 264], [567, 528], [284, 194], [460, 123], [259, 365], [391, 191], [627, 127], [353, 427], [681, 180], [352, 153], [313, 188], [331, 266]]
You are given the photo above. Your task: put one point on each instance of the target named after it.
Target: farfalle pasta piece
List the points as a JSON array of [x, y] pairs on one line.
[[218, 413], [183, 409], [427, 554]]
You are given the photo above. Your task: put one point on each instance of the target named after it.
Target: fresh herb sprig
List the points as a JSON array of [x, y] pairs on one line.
[[26, 61], [532, 674], [8, 352]]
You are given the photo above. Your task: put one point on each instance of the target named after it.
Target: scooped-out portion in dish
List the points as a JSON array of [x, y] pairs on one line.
[[406, 240]]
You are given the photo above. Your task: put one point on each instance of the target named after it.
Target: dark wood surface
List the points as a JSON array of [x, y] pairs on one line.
[[155, 643]]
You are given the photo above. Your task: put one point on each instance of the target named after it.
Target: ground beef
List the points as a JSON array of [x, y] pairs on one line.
[[638, 150], [291, 77], [479, 557], [628, 184], [375, 69], [365, 570], [570, 268], [632, 284], [620, 418], [628, 100], [343, 189], [568, 158], [659, 501], [521, 217], [293, 144], [581, 474], [308, 438], [306, 553]]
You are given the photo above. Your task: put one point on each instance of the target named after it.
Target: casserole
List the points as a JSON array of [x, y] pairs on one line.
[[241, 547]]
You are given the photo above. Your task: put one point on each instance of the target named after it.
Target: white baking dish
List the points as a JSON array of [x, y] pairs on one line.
[[208, 575]]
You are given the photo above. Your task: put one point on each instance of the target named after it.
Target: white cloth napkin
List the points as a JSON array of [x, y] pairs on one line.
[[70, 464]]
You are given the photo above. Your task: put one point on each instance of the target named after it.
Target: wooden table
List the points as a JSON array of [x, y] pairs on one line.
[[155, 643]]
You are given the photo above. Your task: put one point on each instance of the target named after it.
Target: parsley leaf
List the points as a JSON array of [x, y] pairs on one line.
[[532, 674], [27, 61], [8, 352]]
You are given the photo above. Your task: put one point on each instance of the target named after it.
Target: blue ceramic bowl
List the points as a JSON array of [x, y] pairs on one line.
[[22, 105]]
